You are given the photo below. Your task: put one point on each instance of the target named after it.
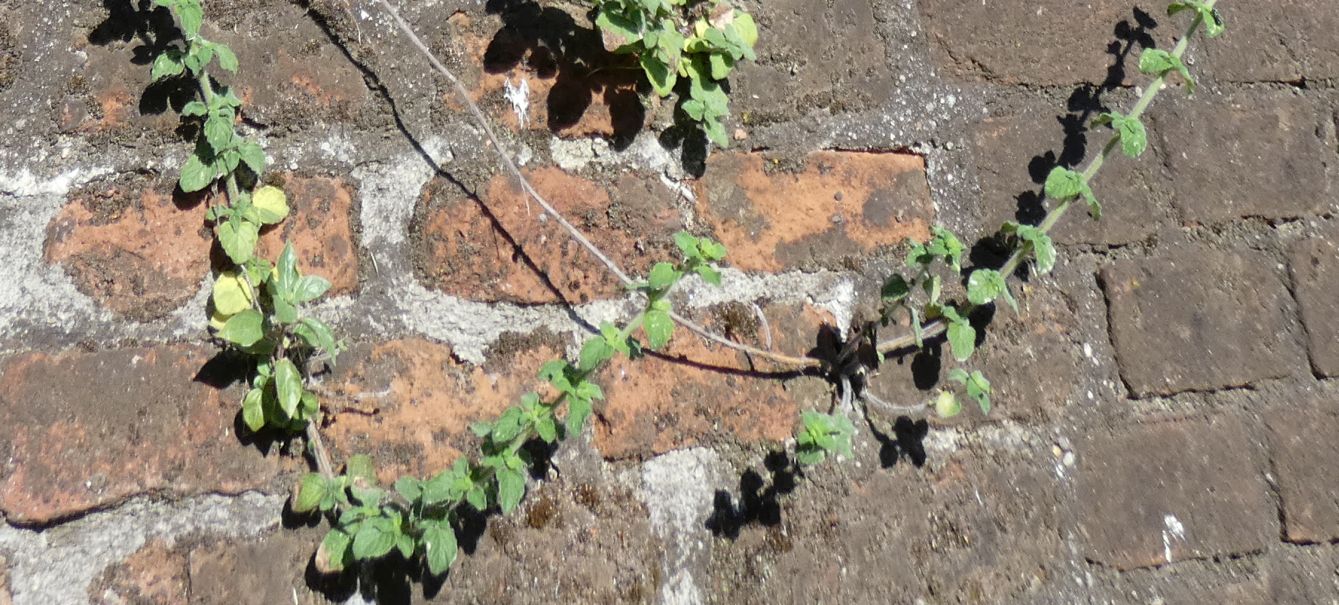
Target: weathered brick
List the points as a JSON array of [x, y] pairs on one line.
[[1195, 318], [1014, 153], [1304, 441], [576, 89], [268, 569], [1304, 576], [1315, 274], [1162, 492], [128, 245], [1274, 139], [154, 575], [1032, 358], [1282, 41], [1000, 40], [687, 395], [82, 430], [460, 249], [321, 225], [814, 56], [837, 207]]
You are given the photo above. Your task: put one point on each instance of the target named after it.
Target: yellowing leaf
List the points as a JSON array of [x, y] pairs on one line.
[[232, 294], [271, 203]]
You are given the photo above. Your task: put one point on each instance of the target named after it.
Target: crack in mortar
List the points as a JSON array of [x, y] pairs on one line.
[[56, 565]]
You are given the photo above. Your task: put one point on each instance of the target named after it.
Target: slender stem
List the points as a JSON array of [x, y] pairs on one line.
[[1053, 216], [572, 231]]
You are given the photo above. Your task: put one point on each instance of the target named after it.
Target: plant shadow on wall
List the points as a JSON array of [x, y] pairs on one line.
[[550, 44], [153, 27], [760, 499]]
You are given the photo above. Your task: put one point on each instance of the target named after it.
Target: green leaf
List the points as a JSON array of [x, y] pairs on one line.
[[946, 404], [984, 285], [578, 410], [661, 75], [961, 338], [253, 156], [617, 30], [439, 542], [311, 490], [231, 293], [978, 388], [659, 327], [309, 288], [1133, 136], [662, 276], [595, 352], [195, 175], [243, 329], [895, 289], [194, 109], [1213, 22], [286, 272], [333, 553], [720, 66], [191, 15], [238, 238], [253, 411], [1094, 208], [709, 274], [687, 244], [374, 538], [317, 335], [288, 385], [510, 489], [167, 64], [227, 59], [270, 202], [1063, 184]]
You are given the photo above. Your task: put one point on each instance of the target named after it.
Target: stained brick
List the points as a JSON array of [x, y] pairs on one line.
[[1196, 318], [1014, 153], [82, 430], [1032, 358], [1304, 441], [1274, 139], [154, 575], [1163, 492], [999, 40], [837, 207], [461, 250], [1315, 274], [129, 245]]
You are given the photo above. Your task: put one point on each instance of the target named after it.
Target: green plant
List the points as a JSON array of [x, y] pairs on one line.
[[417, 518], [696, 40], [256, 305]]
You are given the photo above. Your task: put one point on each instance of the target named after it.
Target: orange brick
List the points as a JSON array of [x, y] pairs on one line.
[[839, 205], [321, 227]]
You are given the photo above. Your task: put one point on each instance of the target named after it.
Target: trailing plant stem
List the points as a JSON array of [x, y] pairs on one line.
[[1053, 216]]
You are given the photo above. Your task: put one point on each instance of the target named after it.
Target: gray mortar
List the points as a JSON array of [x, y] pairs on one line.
[[677, 489], [57, 565]]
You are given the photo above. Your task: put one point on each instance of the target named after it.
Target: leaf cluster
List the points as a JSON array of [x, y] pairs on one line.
[[678, 40]]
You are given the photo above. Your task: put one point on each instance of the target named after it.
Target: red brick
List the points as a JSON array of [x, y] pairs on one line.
[[1304, 441], [1136, 486], [1274, 138], [1315, 273], [85, 430], [154, 575], [461, 251], [838, 206], [1197, 318], [321, 225], [127, 244]]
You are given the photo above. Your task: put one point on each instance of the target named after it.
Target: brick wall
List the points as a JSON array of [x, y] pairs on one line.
[[1166, 406]]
